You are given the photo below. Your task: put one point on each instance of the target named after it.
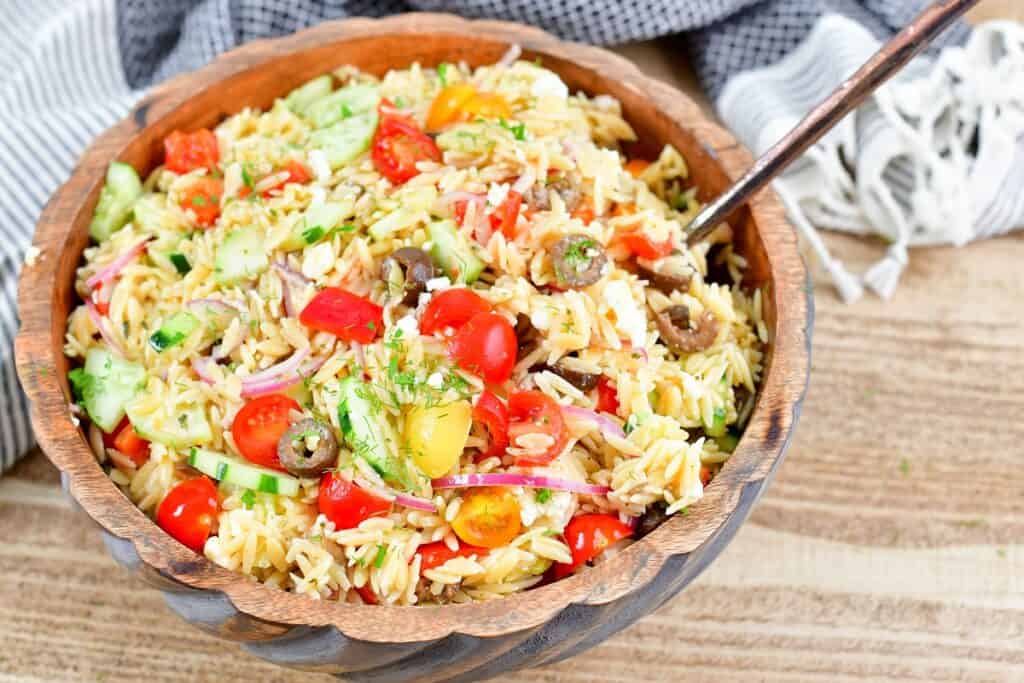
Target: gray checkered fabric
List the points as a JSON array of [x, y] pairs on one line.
[[68, 70]]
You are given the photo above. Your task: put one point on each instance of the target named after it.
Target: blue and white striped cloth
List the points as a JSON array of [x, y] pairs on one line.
[[68, 70]]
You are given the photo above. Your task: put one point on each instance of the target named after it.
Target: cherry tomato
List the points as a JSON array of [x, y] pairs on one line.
[[447, 105], [345, 504], [486, 105], [131, 444], [492, 413], [202, 197], [589, 535], [506, 215], [486, 346], [533, 412], [343, 314], [705, 475], [642, 245], [607, 396], [184, 152], [437, 553], [259, 425], [108, 438], [488, 517], [398, 145], [188, 512], [367, 594], [585, 212], [452, 308], [635, 167]]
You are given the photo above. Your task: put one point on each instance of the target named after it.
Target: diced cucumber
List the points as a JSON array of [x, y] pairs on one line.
[[188, 427], [316, 222], [234, 471], [414, 204], [343, 104], [345, 140], [105, 385], [359, 417], [453, 252], [174, 331], [180, 263], [121, 189], [717, 426], [727, 442], [242, 256], [298, 100]]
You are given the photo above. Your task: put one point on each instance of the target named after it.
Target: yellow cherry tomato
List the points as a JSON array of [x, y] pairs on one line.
[[437, 435], [447, 106], [487, 106], [488, 517]]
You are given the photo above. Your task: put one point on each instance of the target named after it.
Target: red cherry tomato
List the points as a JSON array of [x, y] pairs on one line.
[[588, 536], [492, 413], [437, 553], [345, 504], [202, 197], [131, 444], [533, 412], [398, 145], [367, 594], [452, 308], [184, 152], [505, 216], [188, 512], [259, 425], [642, 245], [108, 438], [486, 346], [607, 396], [343, 314]]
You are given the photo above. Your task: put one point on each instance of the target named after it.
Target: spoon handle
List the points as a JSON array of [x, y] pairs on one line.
[[883, 64]]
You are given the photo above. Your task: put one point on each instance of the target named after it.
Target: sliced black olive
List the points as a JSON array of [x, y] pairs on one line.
[[672, 275], [579, 260], [538, 197], [679, 335], [407, 270], [294, 455], [653, 517], [584, 381]]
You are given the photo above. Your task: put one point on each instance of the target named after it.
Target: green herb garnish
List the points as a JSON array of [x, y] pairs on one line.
[[442, 74], [313, 234], [378, 561], [248, 499], [180, 263], [518, 130], [543, 496]]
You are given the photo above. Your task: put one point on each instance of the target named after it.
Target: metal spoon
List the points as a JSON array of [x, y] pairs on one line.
[[893, 56]]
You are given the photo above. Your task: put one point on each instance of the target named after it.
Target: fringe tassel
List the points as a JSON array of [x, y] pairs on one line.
[[883, 277]]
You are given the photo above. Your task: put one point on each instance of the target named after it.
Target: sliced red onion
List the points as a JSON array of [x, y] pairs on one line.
[[525, 181], [292, 275], [290, 280], [115, 266], [447, 201], [275, 371], [101, 324], [271, 181], [375, 489], [459, 481], [415, 503], [103, 294], [607, 425], [202, 366], [388, 493], [274, 385], [219, 305], [510, 56]]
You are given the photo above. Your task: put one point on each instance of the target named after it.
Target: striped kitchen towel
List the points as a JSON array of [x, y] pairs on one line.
[[925, 162]]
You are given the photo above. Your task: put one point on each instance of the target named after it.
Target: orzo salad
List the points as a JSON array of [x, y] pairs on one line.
[[425, 338]]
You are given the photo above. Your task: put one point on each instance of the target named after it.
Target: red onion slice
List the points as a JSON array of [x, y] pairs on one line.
[[415, 503], [535, 481], [223, 309], [387, 493], [607, 425], [101, 324], [115, 266], [202, 366], [290, 280], [275, 371]]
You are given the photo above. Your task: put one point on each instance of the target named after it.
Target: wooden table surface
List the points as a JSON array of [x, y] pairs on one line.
[[890, 546]]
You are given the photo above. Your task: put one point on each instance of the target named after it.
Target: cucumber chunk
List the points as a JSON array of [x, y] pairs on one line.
[[346, 139], [175, 330], [183, 428], [105, 385], [717, 426], [316, 223], [727, 442], [234, 471], [358, 416], [121, 189], [298, 100], [180, 263], [453, 252], [343, 104], [242, 256]]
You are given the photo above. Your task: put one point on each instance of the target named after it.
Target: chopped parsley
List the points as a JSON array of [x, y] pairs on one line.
[[248, 499], [246, 178], [180, 263], [442, 74], [578, 255], [518, 130], [313, 234], [346, 111], [400, 102], [543, 496], [199, 200], [382, 551]]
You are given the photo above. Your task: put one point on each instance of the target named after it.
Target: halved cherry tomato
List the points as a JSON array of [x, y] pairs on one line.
[[505, 216], [437, 553], [203, 198], [636, 167], [532, 412], [589, 535], [492, 413], [607, 396], [585, 212], [188, 512], [184, 152], [398, 145], [488, 517], [486, 105], [705, 475], [452, 308], [108, 439], [366, 593], [642, 245], [343, 314], [259, 425], [447, 105], [486, 346], [346, 504], [131, 444]]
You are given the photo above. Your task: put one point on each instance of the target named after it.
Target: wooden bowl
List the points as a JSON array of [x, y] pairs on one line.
[[455, 642]]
